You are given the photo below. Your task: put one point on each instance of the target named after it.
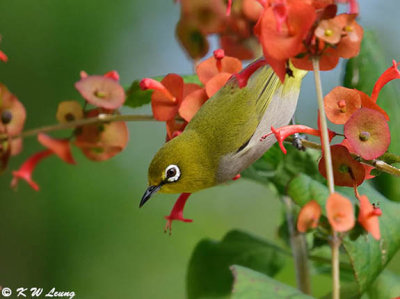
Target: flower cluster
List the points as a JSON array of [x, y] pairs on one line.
[[367, 136], [232, 23], [98, 140], [300, 31], [176, 102]]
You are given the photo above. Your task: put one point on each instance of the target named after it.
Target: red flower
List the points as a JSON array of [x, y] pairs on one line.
[[308, 216], [3, 56], [100, 142], [101, 91], [26, 170], [346, 171], [340, 213], [368, 133], [368, 217], [340, 103], [60, 147], [217, 64], [168, 95], [281, 30]]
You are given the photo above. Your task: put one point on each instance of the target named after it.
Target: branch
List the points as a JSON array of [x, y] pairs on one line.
[[99, 119], [378, 164]]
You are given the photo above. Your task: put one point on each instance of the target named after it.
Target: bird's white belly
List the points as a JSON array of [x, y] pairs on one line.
[[279, 113]]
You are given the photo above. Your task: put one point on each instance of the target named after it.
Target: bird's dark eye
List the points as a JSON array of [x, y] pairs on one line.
[[172, 173]]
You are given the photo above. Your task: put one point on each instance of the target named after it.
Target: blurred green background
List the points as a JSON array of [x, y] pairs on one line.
[[83, 230]]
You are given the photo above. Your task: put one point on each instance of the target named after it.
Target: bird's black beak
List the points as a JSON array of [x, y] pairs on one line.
[[149, 192]]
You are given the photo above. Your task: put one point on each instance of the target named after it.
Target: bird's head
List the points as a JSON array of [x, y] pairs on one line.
[[180, 166]]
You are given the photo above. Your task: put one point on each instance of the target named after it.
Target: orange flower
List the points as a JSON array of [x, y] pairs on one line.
[[340, 103], [281, 30], [168, 95], [217, 64], [340, 212], [100, 142], [352, 33], [368, 217], [308, 216]]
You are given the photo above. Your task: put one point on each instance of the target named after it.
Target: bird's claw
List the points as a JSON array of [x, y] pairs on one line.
[[170, 218], [297, 141], [177, 212]]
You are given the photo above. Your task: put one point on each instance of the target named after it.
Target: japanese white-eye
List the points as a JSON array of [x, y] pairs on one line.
[[223, 138]]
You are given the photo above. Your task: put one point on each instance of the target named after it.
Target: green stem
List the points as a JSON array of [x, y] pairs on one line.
[[335, 266], [299, 250], [101, 118], [324, 126]]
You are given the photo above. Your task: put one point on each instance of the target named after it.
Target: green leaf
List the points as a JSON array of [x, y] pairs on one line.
[[361, 73], [302, 189], [387, 285], [135, 97], [368, 257], [276, 169], [208, 272], [252, 284]]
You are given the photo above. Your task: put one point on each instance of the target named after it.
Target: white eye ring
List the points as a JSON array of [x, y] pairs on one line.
[[172, 173]]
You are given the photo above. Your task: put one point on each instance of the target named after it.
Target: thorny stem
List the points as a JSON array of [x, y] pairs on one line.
[[329, 174], [299, 249], [104, 118]]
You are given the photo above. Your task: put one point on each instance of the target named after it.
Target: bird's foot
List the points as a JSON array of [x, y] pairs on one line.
[[177, 212], [297, 141]]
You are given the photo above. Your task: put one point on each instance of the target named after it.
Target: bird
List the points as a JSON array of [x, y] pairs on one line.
[[223, 138]]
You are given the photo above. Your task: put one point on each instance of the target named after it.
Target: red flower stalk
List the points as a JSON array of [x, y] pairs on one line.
[[368, 217], [390, 74], [308, 216], [177, 212], [340, 213], [245, 74], [148, 83], [26, 170], [3, 56], [60, 147], [283, 132], [112, 75]]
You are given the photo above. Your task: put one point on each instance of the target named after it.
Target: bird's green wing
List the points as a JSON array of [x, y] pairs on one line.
[[229, 119]]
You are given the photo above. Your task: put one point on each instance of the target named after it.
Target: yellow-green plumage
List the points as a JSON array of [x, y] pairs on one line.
[[223, 138]]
